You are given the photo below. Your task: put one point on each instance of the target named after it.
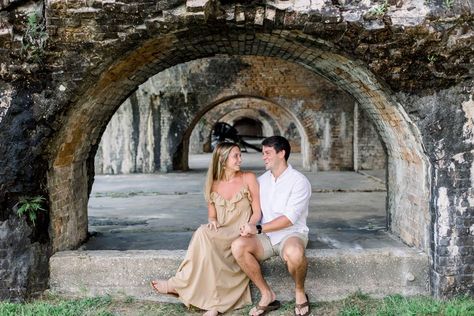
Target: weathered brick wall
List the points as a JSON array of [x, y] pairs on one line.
[[131, 142], [371, 153], [409, 68], [24, 248], [443, 117]]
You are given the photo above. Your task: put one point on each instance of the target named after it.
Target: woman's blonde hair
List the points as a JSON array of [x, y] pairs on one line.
[[215, 172]]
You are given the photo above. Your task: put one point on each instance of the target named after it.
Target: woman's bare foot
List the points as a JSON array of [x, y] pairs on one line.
[[212, 312], [162, 287]]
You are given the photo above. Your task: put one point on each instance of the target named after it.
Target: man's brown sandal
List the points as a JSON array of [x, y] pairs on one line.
[[266, 309], [301, 306]]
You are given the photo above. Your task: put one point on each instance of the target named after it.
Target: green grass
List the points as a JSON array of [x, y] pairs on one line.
[[397, 305], [89, 306], [165, 309], [355, 305]]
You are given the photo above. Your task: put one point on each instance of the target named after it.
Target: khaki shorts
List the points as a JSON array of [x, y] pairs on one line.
[[270, 250]]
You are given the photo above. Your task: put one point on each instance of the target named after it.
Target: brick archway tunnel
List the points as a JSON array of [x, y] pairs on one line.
[[276, 116], [51, 128], [201, 84], [266, 125], [68, 177], [253, 109]]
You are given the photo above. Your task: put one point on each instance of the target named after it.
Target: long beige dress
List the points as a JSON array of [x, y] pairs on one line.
[[209, 277]]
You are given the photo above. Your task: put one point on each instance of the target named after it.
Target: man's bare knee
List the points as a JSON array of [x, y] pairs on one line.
[[294, 254]]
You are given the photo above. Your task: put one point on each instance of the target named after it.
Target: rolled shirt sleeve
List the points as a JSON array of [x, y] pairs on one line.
[[299, 200]]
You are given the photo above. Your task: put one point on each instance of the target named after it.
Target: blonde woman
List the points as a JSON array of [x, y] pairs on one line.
[[209, 277]]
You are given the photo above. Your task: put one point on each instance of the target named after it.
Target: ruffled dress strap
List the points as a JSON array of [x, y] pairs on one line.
[[229, 205]]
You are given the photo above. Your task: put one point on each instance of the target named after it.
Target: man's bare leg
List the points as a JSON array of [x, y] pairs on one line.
[[294, 255], [246, 250]]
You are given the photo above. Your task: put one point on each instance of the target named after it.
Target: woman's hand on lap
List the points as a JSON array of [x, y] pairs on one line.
[[213, 224]]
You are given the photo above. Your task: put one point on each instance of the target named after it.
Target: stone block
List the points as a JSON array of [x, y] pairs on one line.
[[332, 274]]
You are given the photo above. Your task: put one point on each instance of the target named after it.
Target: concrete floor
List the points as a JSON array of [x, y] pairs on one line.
[[161, 211]]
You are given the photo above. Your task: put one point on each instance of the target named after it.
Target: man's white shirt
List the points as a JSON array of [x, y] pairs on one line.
[[289, 196]]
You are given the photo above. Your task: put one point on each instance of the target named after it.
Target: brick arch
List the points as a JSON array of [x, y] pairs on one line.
[[275, 114], [270, 126], [69, 178]]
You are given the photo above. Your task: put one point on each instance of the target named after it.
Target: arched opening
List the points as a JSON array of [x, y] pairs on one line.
[[276, 120], [70, 176], [200, 138], [248, 126]]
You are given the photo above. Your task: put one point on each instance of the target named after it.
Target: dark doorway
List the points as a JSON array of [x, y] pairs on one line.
[[248, 127]]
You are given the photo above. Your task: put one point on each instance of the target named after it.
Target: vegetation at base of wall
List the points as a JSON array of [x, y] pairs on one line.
[[29, 207], [89, 306], [394, 305], [357, 304]]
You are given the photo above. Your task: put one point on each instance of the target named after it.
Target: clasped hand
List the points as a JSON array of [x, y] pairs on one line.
[[247, 230]]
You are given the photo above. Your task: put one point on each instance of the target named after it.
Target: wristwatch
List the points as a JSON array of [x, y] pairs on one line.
[[259, 228]]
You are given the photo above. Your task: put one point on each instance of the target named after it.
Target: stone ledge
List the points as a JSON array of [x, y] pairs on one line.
[[333, 273]]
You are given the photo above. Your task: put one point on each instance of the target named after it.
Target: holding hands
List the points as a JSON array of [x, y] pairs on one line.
[[248, 229]]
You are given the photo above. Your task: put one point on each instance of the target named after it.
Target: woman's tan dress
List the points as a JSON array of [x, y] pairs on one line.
[[209, 277]]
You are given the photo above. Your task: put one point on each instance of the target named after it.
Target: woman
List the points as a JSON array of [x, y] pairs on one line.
[[209, 277]]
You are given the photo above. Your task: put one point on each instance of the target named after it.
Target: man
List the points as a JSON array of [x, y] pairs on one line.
[[284, 198]]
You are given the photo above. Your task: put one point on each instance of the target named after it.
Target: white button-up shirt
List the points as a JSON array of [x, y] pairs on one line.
[[288, 195]]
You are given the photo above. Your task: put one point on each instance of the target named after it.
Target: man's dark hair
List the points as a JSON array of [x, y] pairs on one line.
[[278, 143]]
